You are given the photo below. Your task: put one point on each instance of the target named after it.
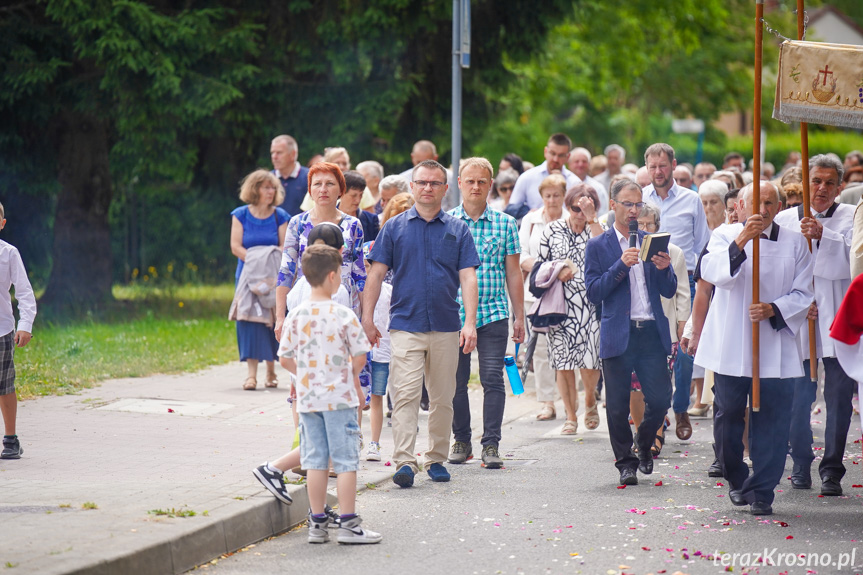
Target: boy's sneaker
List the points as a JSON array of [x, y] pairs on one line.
[[350, 533], [318, 532], [374, 453], [490, 457], [11, 448], [274, 482], [335, 518]]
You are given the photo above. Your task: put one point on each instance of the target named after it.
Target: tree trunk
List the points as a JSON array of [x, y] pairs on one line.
[[81, 274]]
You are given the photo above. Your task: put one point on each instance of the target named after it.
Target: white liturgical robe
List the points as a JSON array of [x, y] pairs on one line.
[[832, 271], [786, 281]]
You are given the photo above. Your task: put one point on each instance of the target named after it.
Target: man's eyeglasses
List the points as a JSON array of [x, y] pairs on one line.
[[434, 184], [630, 205]]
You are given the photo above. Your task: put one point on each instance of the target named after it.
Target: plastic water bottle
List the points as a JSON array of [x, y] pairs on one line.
[[513, 375]]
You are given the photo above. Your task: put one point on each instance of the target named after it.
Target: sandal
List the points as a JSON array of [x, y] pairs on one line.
[[272, 380], [569, 428], [660, 438], [547, 413], [250, 384], [591, 417]]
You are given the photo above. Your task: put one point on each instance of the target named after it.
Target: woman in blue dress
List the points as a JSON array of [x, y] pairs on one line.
[[258, 223]]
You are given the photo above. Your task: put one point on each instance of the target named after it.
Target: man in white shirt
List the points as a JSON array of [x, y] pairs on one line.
[[726, 342], [829, 231], [579, 164], [556, 154], [683, 217]]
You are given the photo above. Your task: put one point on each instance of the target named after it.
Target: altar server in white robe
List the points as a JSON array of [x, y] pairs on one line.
[[830, 233], [726, 342]]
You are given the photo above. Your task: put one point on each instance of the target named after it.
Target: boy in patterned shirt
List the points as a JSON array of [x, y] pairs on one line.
[[325, 347]]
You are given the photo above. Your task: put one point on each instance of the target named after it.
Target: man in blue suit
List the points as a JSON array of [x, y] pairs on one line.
[[634, 334]]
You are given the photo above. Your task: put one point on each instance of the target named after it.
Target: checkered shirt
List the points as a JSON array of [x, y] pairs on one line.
[[495, 235]]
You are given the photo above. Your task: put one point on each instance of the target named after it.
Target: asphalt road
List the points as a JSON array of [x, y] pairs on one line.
[[557, 508]]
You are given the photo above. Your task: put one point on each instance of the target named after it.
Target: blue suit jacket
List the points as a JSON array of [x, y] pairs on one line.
[[607, 281]]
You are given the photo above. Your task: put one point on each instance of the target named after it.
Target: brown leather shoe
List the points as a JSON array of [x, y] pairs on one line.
[[684, 427]]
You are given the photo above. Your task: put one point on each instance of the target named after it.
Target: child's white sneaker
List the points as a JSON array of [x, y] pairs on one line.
[[318, 532], [374, 453], [350, 533]]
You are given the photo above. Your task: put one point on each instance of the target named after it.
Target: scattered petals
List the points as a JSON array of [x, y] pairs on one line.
[[658, 484]]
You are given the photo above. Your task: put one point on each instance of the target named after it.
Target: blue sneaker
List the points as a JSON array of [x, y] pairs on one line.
[[404, 477], [438, 472]]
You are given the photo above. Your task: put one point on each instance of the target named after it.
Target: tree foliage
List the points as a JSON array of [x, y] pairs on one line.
[[612, 68]]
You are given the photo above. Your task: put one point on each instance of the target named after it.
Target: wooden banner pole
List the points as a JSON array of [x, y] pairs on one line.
[[756, 201], [807, 206]]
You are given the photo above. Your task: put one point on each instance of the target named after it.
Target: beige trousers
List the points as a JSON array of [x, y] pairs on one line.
[[414, 355], [544, 376]]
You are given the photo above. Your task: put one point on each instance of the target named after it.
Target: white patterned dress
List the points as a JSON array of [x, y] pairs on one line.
[[574, 344]]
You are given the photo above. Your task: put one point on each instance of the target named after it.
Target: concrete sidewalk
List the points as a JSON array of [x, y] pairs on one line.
[[183, 442]]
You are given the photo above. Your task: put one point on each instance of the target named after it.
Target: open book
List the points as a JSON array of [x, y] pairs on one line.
[[652, 244]]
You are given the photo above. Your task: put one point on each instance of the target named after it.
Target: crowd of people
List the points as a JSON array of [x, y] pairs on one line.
[[388, 283]]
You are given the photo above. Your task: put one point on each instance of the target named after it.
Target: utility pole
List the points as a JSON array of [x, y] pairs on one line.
[[460, 59]]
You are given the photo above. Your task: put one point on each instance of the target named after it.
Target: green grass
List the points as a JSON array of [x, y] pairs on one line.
[[146, 331], [173, 512]]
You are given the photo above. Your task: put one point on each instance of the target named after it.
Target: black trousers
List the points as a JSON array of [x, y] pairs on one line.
[[648, 358], [768, 433]]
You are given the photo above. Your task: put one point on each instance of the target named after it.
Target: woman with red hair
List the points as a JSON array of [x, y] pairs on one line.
[[326, 186]]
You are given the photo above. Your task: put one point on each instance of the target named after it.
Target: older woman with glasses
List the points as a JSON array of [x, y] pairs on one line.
[[574, 344], [504, 183]]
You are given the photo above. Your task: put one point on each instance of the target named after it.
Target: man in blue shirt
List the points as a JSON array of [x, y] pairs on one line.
[[683, 217], [556, 154], [495, 235], [431, 254], [294, 177]]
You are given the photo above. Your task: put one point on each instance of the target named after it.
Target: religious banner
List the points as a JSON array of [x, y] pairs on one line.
[[820, 83]]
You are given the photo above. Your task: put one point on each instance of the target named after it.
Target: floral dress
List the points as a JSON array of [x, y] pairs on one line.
[[353, 265]]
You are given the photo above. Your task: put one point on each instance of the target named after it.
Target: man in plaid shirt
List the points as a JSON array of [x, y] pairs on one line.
[[495, 235]]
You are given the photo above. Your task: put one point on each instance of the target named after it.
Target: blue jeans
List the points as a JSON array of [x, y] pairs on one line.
[[768, 434], [326, 435], [646, 356], [491, 347], [380, 376]]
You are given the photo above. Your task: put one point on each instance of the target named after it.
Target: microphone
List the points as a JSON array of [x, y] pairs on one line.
[[633, 233]]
